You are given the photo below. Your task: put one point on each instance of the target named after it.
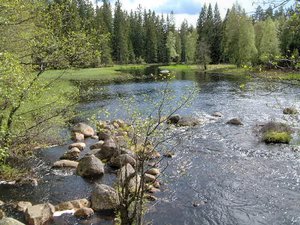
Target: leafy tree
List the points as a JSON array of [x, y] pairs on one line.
[[203, 54], [191, 46], [239, 37], [171, 46]]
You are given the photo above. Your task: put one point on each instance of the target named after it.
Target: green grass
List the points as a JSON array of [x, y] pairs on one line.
[[218, 68], [120, 72], [277, 137]]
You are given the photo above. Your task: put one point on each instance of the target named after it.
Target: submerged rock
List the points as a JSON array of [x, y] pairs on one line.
[[104, 198], [90, 166], [10, 221], [84, 129], [153, 171], [188, 121], [39, 214], [235, 121], [65, 163], [217, 114]]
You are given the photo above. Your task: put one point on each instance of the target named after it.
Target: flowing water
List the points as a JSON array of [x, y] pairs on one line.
[[221, 174]]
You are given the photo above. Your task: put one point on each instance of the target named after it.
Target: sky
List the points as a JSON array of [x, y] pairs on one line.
[[185, 9]]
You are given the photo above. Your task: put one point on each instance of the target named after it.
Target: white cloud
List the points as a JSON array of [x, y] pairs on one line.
[[192, 18]]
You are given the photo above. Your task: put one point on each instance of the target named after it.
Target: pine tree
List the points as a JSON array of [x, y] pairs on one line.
[[183, 39], [217, 36]]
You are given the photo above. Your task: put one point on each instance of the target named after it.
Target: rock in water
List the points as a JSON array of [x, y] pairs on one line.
[[79, 145], [122, 160], [188, 121], [173, 119], [39, 214], [128, 172], [74, 204], [2, 214], [84, 129], [65, 163], [235, 121], [90, 166], [22, 206], [104, 198], [290, 111], [72, 154], [10, 221], [84, 212], [77, 136]]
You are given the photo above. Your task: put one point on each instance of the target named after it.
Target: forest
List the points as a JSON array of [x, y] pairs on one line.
[[65, 66]]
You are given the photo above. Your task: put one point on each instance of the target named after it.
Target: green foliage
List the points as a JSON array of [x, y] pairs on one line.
[[239, 38], [9, 173]]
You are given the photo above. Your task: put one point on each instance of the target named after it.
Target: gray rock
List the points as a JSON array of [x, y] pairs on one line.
[[103, 154], [10, 221], [22, 206], [104, 134], [188, 121], [84, 129], [65, 163], [126, 173], [74, 204], [122, 160], [72, 154], [77, 137], [97, 145], [39, 214], [149, 178], [2, 214], [90, 166], [104, 198], [235, 121], [84, 212], [153, 171], [1, 203], [79, 145]]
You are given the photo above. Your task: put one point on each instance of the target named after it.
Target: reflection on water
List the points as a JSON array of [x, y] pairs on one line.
[[221, 174]]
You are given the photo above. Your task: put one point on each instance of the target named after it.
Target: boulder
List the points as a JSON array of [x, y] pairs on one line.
[[10, 221], [235, 121], [109, 144], [72, 154], [174, 119], [2, 214], [97, 145], [156, 184], [149, 178], [65, 163], [104, 134], [1, 203], [39, 214], [104, 198], [103, 154], [74, 204], [188, 121], [84, 212], [153, 171], [169, 154], [77, 137], [84, 129], [122, 160], [79, 145], [90, 166], [290, 111], [128, 172], [22, 206]]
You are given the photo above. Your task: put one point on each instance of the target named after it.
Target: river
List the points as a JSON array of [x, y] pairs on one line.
[[221, 174]]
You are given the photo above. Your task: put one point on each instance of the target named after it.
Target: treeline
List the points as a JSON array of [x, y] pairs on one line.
[[75, 33]]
